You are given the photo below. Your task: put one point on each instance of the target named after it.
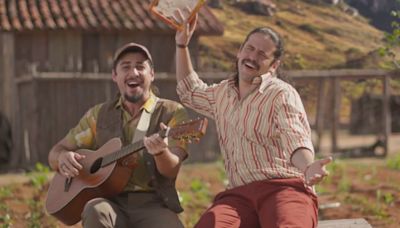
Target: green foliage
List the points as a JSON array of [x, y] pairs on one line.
[[221, 171], [197, 198], [344, 184], [337, 170], [321, 190], [36, 213], [365, 206], [39, 177], [5, 191], [201, 191], [6, 221], [392, 40], [5, 218], [394, 162], [386, 197]]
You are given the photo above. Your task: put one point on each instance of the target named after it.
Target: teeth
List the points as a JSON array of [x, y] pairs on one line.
[[249, 65], [132, 83]]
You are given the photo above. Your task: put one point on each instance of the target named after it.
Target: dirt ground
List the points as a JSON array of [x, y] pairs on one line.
[[357, 188]]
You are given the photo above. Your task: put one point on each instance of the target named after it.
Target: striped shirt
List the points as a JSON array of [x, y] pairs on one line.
[[257, 134]]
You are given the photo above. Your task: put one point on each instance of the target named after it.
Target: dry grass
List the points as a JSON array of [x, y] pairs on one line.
[[316, 37]]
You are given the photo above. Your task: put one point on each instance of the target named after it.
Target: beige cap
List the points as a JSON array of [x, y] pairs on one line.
[[131, 47]]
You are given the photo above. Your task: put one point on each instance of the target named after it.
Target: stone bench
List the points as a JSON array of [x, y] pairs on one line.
[[344, 223]]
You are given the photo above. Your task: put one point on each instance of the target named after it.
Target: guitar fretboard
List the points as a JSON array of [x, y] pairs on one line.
[[125, 151]]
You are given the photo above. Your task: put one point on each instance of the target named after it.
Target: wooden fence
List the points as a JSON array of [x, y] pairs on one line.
[[49, 104]]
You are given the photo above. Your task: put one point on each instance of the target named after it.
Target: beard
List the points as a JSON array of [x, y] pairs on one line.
[[133, 98]]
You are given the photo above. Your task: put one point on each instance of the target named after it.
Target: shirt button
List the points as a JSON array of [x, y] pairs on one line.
[[166, 199], [148, 163]]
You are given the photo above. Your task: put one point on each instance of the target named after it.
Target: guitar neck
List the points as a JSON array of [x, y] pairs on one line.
[[123, 152], [185, 131]]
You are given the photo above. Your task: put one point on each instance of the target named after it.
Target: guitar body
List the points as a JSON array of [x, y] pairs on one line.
[[104, 173], [66, 200]]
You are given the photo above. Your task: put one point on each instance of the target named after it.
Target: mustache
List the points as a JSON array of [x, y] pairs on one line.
[[254, 63]]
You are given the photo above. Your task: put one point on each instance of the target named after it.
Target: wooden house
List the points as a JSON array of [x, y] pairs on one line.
[[56, 57]]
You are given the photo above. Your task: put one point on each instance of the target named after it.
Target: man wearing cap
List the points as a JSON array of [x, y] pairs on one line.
[[150, 198]]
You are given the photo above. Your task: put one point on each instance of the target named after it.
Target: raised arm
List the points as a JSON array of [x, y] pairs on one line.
[[183, 62]]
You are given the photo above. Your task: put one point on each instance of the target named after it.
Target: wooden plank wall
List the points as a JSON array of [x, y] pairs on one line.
[[52, 103], [50, 107], [73, 51]]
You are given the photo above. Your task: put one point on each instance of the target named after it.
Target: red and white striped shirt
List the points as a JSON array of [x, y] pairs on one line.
[[257, 134]]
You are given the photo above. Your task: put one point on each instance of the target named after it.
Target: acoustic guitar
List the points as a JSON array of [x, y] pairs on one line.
[[104, 174]]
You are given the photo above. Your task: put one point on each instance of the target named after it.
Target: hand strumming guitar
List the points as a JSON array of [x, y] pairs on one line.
[[68, 163]]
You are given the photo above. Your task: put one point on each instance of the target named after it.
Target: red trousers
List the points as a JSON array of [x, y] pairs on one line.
[[266, 204]]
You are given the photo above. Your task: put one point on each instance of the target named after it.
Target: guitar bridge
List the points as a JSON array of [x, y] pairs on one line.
[[67, 184]]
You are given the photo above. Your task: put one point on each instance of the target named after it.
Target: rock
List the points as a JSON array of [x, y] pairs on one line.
[[215, 4], [257, 7], [330, 2], [351, 11]]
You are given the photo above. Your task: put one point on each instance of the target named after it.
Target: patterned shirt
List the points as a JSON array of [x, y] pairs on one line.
[[84, 135], [258, 133]]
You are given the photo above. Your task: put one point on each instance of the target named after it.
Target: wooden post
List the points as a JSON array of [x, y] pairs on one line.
[[7, 56], [387, 118], [336, 112], [320, 112]]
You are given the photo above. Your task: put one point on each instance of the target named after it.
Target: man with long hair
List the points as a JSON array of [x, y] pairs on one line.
[[264, 136]]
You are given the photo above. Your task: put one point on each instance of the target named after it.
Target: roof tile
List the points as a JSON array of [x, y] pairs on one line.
[[35, 15], [18, 15], [4, 20]]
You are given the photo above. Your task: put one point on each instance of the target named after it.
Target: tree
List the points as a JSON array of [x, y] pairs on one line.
[[392, 40]]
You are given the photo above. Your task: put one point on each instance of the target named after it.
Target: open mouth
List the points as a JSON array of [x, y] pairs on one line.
[[250, 65], [132, 84]]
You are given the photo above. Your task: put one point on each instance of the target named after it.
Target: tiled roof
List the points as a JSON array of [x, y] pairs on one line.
[[23, 15]]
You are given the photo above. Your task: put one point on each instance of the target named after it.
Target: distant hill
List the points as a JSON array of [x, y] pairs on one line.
[[317, 36]]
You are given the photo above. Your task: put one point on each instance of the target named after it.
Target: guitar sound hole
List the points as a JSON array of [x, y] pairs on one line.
[[96, 165]]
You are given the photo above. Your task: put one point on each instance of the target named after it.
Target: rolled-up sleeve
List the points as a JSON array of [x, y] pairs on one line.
[[293, 126], [197, 95]]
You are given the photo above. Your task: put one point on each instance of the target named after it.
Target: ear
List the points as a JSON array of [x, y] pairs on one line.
[[114, 75], [274, 66], [152, 74]]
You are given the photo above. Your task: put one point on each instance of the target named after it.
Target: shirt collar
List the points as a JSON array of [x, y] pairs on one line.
[[232, 85], [263, 80]]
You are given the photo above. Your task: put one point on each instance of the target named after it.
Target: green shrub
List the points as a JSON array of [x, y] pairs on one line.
[[394, 163], [39, 176]]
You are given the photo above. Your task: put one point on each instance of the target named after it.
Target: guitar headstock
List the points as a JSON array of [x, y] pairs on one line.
[[188, 131]]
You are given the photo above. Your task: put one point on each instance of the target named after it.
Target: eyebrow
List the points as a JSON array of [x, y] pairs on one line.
[[128, 62], [258, 51]]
